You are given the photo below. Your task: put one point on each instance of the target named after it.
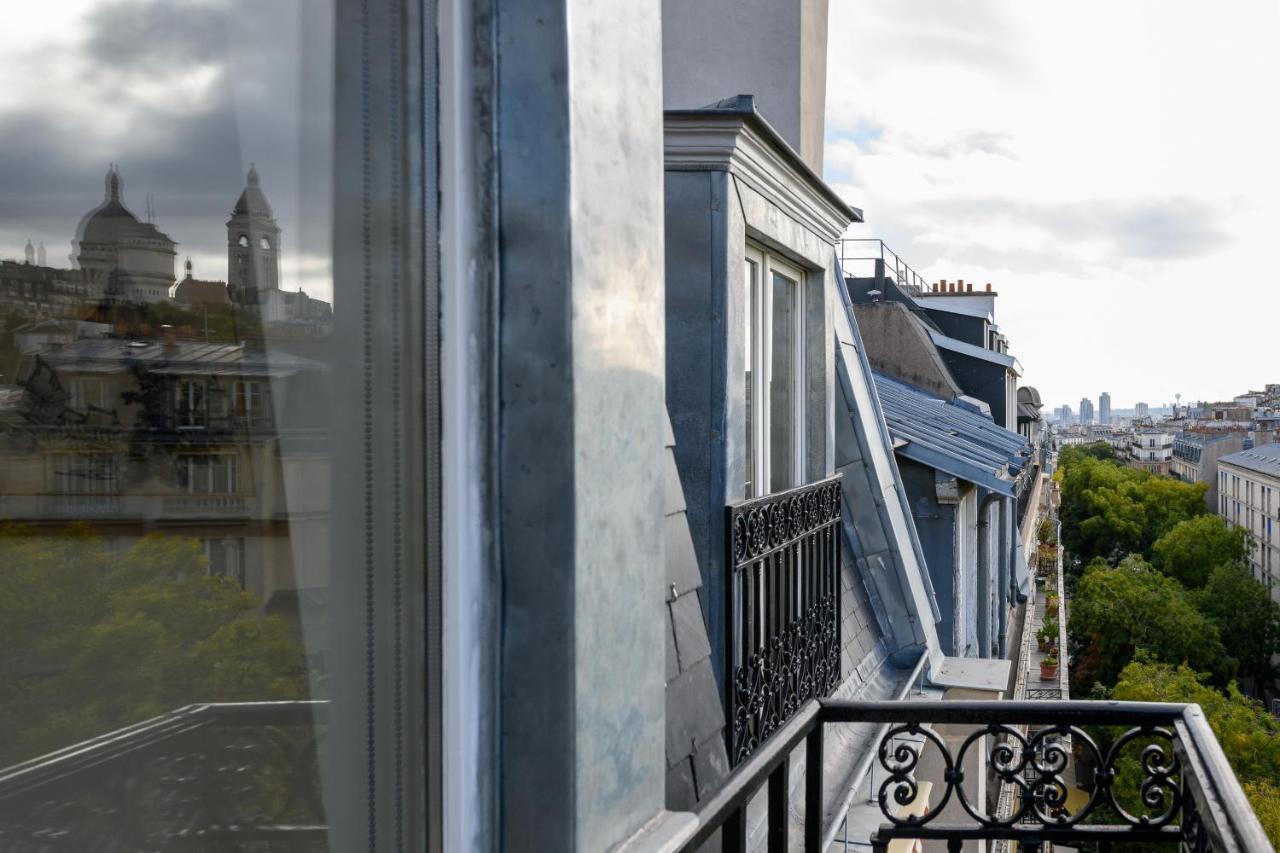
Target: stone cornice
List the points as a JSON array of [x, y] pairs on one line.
[[732, 137]]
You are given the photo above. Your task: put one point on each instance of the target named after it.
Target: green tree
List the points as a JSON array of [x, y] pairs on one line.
[[1118, 611], [90, 642], [1249, 736], [1246, 617], [1192, 549], [1100, 450], [1109, 510]]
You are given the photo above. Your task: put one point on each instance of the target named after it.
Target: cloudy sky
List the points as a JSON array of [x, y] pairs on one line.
[[183, 97], [1110, 167]]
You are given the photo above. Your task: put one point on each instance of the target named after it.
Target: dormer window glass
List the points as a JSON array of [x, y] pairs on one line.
[[774, 373]]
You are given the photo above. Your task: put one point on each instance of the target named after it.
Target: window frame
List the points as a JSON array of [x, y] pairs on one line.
[[758, 351]]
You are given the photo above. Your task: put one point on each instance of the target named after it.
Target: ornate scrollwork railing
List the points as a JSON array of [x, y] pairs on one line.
[[214, 777], [783, 609], [1152, 773]]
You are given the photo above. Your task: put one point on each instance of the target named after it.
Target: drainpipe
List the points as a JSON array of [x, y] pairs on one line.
[[1005, 583], [984, 574]]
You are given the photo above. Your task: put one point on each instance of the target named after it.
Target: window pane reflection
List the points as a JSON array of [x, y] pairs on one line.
[[783, 385], [166, 313]]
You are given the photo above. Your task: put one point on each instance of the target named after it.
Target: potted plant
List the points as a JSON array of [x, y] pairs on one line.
[[1051, 604], [1049, 667], [1047, 636]]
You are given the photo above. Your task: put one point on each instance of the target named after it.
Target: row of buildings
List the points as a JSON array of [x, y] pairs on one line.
[[1227, 446]]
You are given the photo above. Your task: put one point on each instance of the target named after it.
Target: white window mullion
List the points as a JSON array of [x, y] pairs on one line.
[[798, 412], [765, 384]]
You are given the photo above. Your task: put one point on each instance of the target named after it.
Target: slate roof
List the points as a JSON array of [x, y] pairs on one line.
[[947, 437], [1264, 459]]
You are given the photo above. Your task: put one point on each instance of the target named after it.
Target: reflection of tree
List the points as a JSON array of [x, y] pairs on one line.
[[90, 641]]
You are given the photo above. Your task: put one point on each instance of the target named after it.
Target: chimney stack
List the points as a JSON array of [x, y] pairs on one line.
[[988, 287], [970, 290], [170, 339]]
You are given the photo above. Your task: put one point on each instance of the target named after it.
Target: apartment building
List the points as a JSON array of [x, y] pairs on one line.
[[1249, 497], [1195, 455], [1150, 449]]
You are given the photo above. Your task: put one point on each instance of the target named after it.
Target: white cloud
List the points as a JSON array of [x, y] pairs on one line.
[[1110, 168]]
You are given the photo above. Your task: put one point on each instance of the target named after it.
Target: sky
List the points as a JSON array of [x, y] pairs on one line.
[[1111, 168], [183, 97]]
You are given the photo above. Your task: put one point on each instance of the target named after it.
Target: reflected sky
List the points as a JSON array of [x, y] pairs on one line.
[[183, 97]]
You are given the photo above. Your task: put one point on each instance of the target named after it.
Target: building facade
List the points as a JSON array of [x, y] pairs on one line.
[[1195, 457], [1086, 411], [1150, 449], [1104, 408], [1249, 497]]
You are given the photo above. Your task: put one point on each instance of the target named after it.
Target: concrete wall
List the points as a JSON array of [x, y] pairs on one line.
[[897, 345], [581, 424], [714, 49]]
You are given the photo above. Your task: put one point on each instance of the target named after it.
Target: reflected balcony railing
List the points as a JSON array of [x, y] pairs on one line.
[[1153, 774], [218, 777], [204, 505], [128, 507]]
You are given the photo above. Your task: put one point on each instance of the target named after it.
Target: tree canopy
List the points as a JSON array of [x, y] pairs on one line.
[[1247, 619], [1117, 611], [1109, 510], [91, 641], [1193, 548]]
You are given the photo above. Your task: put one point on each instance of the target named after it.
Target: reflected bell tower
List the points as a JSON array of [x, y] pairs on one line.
[[253, 245]]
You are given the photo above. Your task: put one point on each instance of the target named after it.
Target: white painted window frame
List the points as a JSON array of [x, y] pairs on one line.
[[761, 355]]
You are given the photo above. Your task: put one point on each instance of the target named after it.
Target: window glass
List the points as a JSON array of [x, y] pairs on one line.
[[187, 559], [783, 382]]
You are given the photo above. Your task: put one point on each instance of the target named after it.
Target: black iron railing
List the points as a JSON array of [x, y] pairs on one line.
[[217, 777], [1165, 755], [783, 609]]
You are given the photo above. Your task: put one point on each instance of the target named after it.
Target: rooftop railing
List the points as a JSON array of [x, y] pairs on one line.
[[1188, 796], [869, 257]]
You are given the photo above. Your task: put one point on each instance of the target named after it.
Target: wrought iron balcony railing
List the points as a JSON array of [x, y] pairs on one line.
[[217, 777], [783, 607], [1166, 753]]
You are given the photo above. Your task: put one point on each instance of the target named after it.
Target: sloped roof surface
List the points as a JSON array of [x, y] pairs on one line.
[[951, 439], [1264, 459]]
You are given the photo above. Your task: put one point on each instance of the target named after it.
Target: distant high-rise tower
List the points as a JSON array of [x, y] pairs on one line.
[[253, 245], [1086, 411], [1104, 408], [1141, 410], [1066, 415]]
